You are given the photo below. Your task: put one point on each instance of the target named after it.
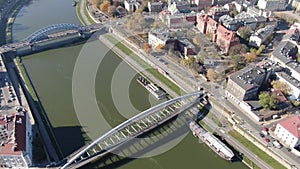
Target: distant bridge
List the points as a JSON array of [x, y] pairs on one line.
[[52, 32], [133, 127]]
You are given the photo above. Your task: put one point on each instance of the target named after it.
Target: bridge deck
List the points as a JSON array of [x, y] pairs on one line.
[[130, 129]]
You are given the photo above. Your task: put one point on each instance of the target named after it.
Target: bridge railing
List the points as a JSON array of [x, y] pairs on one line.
[[123, 125]]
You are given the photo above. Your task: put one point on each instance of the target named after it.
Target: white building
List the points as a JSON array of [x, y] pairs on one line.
[[15, 141], [155, 6], [296, 4], [158, 37], [293, 84], [272, 5], [261, 35], [288, 131], [131, 5]]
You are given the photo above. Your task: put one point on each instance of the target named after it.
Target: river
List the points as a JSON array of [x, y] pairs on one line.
[[117, 93]]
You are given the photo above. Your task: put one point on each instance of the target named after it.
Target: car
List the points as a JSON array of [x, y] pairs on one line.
[[264, 132], [267, 140], [265, 129], [261, 135]]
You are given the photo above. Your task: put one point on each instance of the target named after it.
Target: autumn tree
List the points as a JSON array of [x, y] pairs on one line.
[[260, 49], [104, 6], [283, 87], [140, 10], [253, 50], [147, 48], [251, 57], [244, 32], [211, 75], [267, 100], [112, 11]]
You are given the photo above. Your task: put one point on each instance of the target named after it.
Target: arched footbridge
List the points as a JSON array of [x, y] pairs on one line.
[[133, 127]]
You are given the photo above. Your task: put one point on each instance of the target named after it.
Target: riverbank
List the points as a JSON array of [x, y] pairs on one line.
[[7, 22], [40, 115], [30, 94]]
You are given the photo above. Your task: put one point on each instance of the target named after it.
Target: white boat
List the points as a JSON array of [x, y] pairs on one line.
[[213, 142]]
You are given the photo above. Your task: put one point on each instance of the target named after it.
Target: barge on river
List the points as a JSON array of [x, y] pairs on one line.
[[213, 142], [158, 93]]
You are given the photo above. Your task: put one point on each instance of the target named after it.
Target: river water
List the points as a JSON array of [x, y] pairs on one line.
[[116, 91]]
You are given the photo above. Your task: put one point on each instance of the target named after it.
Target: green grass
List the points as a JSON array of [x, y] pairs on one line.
[[261, 154], [250, 163], [151, 70], [214, 119], [206, 127], [85, 13]]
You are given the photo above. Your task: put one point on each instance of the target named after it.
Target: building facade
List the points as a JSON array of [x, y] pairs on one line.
[[261, 35], [131, 5], [224, 38], [288, 131], [158, 37], [16, 141], [272, 5], [155, 6]]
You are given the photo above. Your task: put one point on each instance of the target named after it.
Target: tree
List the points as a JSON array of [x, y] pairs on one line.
[[261, 25], [238, 49], [211, 74], [112, 11], [260, 49], [251, 57], [140, 10], [188, 62], [238, 62], [233, 13], [283, 87], [104, 6], [147, 48], [202, 55], [253, 50], [267, 100], [245, 32]]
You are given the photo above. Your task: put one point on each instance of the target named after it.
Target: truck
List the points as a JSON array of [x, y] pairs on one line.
[[277, 144]]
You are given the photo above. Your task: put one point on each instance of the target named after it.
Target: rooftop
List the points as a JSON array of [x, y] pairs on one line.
[[160, 33], [289, 79], [264, 31], [292, 124], [14, 126], [253, 75], [285, 51]]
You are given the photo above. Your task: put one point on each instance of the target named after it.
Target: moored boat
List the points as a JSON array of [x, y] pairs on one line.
[[213, 142]]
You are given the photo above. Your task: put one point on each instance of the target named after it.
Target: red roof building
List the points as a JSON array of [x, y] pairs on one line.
[[224, 38], [15, 141], [288, 131]]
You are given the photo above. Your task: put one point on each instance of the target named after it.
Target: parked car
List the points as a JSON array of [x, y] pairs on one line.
[[265, 129], [267, 140], [261, 135], [277, 144], [264, 132]]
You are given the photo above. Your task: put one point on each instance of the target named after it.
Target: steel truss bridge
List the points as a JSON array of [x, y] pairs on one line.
[[133, 127], [52, 32]]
